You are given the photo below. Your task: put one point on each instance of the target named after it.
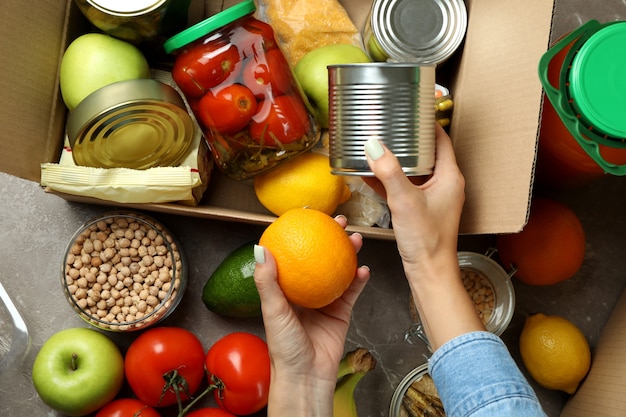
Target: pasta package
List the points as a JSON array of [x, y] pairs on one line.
[[303, 25]]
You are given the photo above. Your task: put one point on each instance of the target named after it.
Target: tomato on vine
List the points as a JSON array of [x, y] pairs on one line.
[[210, 412], [165, 366], [239, 366], [127, 407]]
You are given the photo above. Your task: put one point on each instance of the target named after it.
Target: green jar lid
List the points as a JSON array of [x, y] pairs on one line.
[[598, 81], [209, 25]]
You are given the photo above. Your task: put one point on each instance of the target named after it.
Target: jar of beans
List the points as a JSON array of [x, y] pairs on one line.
[[490, 288], [123, 271]]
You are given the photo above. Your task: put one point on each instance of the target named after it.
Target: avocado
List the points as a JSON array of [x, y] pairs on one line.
[[230, 290]]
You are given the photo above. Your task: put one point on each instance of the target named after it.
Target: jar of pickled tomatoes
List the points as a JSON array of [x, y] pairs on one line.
[[242, 92]]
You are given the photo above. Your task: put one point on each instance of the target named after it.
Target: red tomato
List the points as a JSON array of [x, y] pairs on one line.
[[202, 67], [283, 118], [268, 75], [229, 110], [161, 353], [210, 412], [240, 364], [127, 407], [254, 37]]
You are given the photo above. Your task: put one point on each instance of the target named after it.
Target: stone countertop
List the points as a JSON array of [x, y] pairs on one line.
[[37, 226]]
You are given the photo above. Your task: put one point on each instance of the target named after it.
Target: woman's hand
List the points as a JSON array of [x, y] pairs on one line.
[[425, 218], [305, 345]]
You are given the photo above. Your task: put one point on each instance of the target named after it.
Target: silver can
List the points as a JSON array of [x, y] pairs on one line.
[[425, 31], [393, 102]]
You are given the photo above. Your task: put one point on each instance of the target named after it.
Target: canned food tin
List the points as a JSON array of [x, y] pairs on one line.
[[242, 91], [135, 21], [393, 102], [136, 124], [425, 31]]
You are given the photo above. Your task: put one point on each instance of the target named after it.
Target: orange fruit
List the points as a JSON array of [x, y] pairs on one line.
[[315, 258], [550, 248]]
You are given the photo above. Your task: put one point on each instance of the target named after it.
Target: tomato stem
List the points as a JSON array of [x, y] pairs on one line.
[[216, 383]]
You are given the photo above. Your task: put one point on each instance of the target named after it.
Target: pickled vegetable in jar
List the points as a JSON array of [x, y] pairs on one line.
[[242, 92]]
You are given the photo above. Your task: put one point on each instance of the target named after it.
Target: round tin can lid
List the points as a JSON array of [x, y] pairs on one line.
[[597, 80], [427, 31], [135, 124], [125, 7], [209, 25]]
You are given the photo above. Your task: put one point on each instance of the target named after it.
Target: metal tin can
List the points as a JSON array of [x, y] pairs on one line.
[[242, 92], [135, 124], [425, 31], [391, 101], [135, 21]]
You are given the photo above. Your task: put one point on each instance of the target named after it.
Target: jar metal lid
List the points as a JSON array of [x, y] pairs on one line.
[[427, 31], [597, 80], [209, 25], [134, 124], [125, 7]]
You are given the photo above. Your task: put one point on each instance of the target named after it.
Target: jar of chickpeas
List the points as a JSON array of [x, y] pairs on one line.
[[123, 271], [490, 288]]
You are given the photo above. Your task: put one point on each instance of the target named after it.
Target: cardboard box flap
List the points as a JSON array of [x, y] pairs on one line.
[[32, 43], [498, 97]]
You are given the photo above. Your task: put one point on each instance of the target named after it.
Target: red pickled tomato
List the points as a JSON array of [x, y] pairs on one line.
[[268, 75], [229, 110], [202, 67], [283, 118]]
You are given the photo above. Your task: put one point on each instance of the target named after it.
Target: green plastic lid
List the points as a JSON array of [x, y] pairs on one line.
[[209, 25], [598, 80]]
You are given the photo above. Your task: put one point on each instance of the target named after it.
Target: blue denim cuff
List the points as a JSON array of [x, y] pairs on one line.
[[476, 376]]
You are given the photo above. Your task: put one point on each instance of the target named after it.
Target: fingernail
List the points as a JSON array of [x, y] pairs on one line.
[[358, 234], [366, 267], [341, 216], [259, 254], [374, 149]]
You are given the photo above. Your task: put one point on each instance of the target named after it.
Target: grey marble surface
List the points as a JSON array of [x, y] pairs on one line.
[[35, 228]]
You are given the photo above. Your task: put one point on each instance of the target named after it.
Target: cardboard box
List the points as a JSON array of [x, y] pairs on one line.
[[493, 79]]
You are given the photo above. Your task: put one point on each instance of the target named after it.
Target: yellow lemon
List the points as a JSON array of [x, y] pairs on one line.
[[555, 352], [305, 181]]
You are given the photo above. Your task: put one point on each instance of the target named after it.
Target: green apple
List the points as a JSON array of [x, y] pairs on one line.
[[312, 74], [94, 60], [77, 371]]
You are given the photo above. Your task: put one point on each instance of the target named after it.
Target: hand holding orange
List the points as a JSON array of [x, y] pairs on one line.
[[315, 257]]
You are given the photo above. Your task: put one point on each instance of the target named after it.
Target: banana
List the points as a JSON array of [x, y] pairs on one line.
[[352, 368]]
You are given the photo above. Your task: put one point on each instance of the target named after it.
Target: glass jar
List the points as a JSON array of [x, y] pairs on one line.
[[242, 92], [136, 21], [582, 126]]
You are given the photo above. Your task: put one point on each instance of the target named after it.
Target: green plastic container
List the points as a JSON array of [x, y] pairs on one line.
[[590, 97]]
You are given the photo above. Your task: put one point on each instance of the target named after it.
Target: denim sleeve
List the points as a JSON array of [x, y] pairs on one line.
[[476, 376]]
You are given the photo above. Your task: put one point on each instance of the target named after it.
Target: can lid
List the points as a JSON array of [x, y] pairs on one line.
[[125, 7], [596, 77], [209, 25], [427, 31], [134, 124]]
